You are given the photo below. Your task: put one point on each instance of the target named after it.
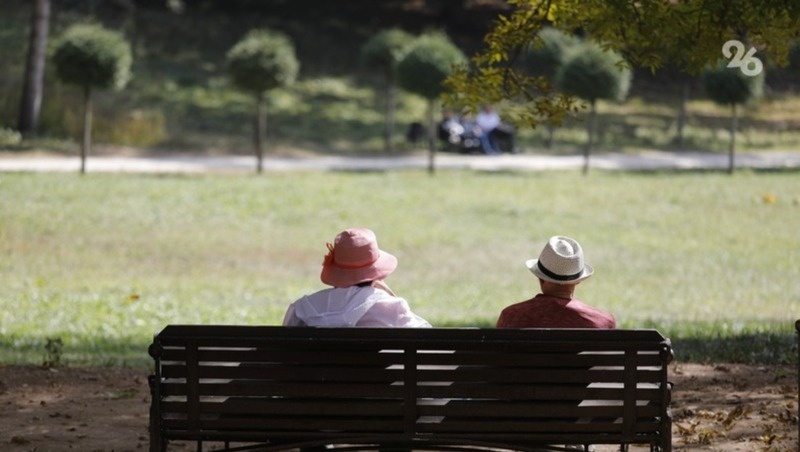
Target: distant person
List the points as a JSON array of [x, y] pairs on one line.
[[450, 129], [415, 132], [355, 268], [560, 267], [487, 120]]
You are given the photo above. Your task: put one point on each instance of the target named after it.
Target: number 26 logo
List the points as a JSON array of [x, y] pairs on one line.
[[746, 62]]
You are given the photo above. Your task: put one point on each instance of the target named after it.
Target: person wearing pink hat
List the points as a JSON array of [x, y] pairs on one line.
[[355, 268], [560, 268]]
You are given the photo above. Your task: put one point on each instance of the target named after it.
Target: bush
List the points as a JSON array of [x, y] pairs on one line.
[[593, 73], [729, 86], [549, 52], [429, 61], [91, 56], [384, 50], [262, 60], [9, 137]]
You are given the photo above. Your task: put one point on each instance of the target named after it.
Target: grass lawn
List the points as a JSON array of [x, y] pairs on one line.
[[104, 261]]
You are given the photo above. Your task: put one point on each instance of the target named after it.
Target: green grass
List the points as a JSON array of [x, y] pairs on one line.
[[106, 260]]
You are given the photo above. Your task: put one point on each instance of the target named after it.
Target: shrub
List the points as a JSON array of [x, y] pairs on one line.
[[9, 137], [381, 53], [262, 60], [548, 52], [428, 62], [593, 73], [91, 56]]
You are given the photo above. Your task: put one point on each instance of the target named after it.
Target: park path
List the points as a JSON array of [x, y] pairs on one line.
[[641, 161]]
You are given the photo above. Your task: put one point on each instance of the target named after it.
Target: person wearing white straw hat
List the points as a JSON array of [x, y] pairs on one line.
[[355, 268], [560, 268]]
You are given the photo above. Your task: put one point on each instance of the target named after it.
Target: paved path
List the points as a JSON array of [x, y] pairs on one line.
[[646, 160]]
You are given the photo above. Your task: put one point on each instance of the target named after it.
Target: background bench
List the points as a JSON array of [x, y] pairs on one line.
[[280, 388]]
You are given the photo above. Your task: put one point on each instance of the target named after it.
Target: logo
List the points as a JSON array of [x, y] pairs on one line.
[[747, 63]]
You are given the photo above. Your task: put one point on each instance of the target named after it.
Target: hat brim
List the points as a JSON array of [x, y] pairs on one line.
[[534, 268], [336, 276]]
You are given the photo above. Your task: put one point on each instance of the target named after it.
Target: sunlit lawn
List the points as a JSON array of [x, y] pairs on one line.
[[105, 261]]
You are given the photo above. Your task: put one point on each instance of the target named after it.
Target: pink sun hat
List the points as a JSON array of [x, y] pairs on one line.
[[354, 258]]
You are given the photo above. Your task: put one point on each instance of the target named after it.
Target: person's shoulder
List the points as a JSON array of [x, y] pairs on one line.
[[518, 306]]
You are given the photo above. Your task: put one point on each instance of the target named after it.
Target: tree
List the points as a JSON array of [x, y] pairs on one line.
[[431, 58], [263, 60], [544, 57], [91, 56], [690, 32], [592, 73], [730, 86], [32, 88], [381, 53]]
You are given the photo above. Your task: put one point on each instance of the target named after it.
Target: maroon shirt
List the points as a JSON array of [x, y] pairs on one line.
[[543, 311]]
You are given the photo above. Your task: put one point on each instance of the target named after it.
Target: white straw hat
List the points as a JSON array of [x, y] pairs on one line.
[[561, 262]]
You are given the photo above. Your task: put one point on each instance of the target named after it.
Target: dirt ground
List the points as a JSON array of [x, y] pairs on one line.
[[715, 408]]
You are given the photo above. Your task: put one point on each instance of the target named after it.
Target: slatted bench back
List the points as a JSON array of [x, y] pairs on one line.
[[489, 387]]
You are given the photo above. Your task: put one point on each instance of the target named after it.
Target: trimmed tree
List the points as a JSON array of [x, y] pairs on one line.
[[91, 56], [381, 53], [431, 58], [593, 73], [263, 60], [544, 57], [729, 86]]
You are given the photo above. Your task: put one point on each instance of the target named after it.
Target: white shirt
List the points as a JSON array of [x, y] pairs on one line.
[[352, 306], [487, 121]]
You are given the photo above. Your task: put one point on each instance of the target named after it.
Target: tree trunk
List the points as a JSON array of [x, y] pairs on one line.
[[732, 149], [551, 131], [87, 127], [32, 88], [686, 89], [431, 138], [592, 128], [261, 131], [388, 131]]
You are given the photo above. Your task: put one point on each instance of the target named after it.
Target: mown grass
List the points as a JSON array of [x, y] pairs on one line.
[[105, 261]]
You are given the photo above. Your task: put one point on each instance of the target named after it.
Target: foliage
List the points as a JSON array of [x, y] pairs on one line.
[[593, 73], [9, 137], [547, 53], [381, 53], [729, 86], [262, 60], [92, 56], [384, 50], [429, 61], [688, 33]]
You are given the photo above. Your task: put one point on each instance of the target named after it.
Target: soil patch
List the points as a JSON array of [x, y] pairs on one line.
[[727, 407]]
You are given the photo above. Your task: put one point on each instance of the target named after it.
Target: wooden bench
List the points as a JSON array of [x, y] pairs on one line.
[[278, 388], [797, 328]]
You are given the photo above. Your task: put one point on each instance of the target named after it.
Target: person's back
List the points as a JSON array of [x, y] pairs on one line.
[[560, 268], [356, 268]]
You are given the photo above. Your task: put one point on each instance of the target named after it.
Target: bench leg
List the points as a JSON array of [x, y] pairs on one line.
[[156, 441]]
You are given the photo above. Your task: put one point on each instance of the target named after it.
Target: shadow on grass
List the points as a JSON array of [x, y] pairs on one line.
[[695, 343], [759, 348], [76, 351]]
